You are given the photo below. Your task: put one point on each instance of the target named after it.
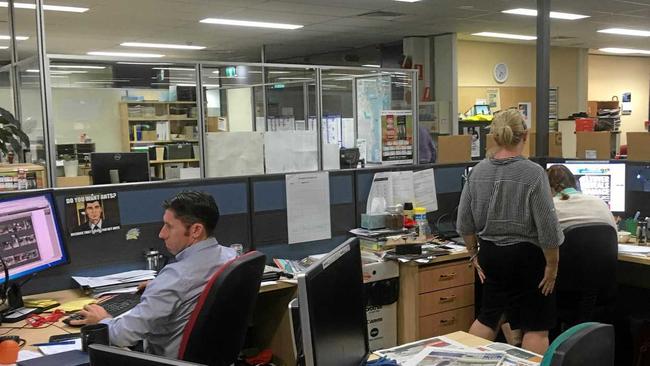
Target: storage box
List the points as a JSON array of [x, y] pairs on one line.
[[81, 180], [149, 136], [638, 146], [554, 144], [173, 171], [179, 151], [593, 145], [585, 124], [454, 149]]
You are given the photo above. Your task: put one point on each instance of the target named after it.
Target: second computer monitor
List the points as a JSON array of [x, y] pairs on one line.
[[332, 309], [600, 179], [119, 167]]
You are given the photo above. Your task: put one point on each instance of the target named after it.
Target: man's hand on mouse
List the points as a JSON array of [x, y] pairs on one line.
[[92, 314]]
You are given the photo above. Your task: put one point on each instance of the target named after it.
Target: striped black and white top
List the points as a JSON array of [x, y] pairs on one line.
[[509, 201]]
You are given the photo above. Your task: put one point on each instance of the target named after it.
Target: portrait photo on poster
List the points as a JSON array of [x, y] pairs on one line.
[[92, 214]]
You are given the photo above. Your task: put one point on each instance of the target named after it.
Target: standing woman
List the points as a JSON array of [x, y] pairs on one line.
[[506, 210]]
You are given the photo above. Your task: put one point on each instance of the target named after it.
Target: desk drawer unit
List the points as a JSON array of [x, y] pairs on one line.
[[435, 299]]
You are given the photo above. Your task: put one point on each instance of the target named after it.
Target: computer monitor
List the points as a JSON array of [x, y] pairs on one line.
[[30, 236], [602, 179], [101, 355], [332, 309], [119, 167], [480, 109]]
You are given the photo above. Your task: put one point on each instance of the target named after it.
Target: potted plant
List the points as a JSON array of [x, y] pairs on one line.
[[10, 133], [70, 165]]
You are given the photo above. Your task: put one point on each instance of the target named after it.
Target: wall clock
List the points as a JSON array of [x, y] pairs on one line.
[[500, 72]]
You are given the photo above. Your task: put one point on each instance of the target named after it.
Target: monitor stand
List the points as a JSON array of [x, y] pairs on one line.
[[13, 309]]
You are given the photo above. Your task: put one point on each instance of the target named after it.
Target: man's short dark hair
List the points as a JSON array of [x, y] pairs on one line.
[[91, 201], [193, 207]]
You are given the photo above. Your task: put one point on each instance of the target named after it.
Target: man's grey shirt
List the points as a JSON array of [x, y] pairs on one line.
[[509, 201], [168, 301]]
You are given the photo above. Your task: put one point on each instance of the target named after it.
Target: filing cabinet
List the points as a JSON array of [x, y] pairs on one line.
[[435, 298]]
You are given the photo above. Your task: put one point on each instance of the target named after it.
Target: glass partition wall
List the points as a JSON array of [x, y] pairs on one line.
[[214, 119]]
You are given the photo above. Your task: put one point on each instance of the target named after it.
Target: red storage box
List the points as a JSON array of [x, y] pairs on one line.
[[585, 124]]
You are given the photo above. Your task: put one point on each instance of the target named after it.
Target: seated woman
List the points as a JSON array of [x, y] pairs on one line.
[[571, 206]]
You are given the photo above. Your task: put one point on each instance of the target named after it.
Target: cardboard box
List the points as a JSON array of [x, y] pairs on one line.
[[454, 149], [594, 145], [638, 146], [81, 180], [554, 144]]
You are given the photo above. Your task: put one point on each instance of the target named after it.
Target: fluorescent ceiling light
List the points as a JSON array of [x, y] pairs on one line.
[[290, 78], [505, 35], [32, 70], [624, 51], [18, 38], [124, 54], [372, 65], [161, 45], [215, 72], [3, 47], [408, 1], [553, 15], [626, 32], [174, 68], [248, 23], [78, 67], [69, 9], [143, 63]]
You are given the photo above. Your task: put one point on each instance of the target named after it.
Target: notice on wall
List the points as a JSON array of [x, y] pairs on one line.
[[494, 99], [392, 188], [308, 207], [397, 137], [424, 186], [526, 109], [92, 214], [475, 132], [234, 153]]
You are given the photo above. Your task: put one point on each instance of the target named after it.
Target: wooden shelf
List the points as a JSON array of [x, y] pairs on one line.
[[174, 161], [144, 119], [157, 102], [162, 141]]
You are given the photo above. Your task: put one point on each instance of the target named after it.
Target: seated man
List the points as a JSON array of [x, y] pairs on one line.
[[168, 301]]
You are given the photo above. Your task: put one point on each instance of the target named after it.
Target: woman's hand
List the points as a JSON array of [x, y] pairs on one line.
[[479, 270], [548, 282]]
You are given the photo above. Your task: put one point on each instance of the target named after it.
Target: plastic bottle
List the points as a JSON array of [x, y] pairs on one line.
[[409, 221], [421, 222]]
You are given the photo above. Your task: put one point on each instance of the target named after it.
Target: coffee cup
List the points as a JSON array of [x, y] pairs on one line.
[[94, 333]]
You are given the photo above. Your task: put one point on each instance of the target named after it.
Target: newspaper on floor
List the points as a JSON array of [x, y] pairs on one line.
[[403, 353], [430, 356]]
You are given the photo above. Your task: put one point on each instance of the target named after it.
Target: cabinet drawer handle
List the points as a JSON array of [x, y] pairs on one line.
[[447, 321], [445, 299], [447, 276]]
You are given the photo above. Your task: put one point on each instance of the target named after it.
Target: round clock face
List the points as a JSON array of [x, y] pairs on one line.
[[501, 72]]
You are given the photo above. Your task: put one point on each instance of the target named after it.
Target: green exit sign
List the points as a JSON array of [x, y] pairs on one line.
[[231, 71], [278, 86]]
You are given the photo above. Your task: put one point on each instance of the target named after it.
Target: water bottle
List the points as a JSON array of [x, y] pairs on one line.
[[421, 222]]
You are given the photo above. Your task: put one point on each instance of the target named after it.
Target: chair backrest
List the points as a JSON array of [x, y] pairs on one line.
[[582, 344], [101, 355], [588, 257], [215, 333]]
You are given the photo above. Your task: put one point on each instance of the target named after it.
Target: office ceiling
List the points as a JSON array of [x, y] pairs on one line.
[[333, 25]]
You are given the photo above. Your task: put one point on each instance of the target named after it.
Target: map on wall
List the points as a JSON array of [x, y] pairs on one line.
[[373, 97]]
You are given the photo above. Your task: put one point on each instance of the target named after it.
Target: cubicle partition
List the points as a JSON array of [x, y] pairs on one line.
[[253, 212]]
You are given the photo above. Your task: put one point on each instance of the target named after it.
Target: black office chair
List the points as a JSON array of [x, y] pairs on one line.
[[215, 333], [584, 344], [586, 282]]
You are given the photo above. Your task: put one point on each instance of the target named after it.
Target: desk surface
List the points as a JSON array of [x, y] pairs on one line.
[[634, 259], [42, 334]]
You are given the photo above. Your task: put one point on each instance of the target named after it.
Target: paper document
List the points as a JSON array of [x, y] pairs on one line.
[[290, 151], [115, 279], [234, 153], [424, 185], [308, 207], [50, 350], [403, 189], [381, 193], [24, 355], [633, 249]]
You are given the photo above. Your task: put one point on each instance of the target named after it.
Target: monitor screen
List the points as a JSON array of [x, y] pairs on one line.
[[600, 179], [480, 109], [30, 236], [332, 309], [119, 167]]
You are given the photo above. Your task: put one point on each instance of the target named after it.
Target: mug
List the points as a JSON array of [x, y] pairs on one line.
[[94, 333], [9, 347]]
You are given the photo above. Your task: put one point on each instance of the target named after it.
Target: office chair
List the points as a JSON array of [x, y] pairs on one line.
[[215, 333], [583, 344], [586, 282]]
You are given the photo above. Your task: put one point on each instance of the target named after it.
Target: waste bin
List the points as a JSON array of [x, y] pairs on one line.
[[381, 281]]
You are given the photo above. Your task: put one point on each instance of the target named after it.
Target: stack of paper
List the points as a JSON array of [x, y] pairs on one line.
[[633, 249], [95, 285]]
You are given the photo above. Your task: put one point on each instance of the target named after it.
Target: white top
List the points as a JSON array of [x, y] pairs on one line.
[[582, 209]]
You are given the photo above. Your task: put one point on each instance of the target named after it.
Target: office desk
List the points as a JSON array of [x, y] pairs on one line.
[[271, 326]]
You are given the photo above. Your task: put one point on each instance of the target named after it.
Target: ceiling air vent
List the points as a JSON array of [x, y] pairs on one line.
[[384, 15]]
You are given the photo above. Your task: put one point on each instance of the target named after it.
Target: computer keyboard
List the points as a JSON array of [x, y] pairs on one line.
[[114, 305]]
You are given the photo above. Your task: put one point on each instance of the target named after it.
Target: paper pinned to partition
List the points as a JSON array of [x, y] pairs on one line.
[[381, 193], [290, 151], [234, 153], [403, 190], [308, 207], [424, 185], [331, 157]]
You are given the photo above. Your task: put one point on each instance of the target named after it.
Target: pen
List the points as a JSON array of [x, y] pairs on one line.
[[53, 343]]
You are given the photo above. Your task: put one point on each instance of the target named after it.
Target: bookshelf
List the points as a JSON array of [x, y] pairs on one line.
[[155, 123]]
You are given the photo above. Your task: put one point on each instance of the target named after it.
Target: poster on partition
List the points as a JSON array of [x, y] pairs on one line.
[[92, 214], [397, 137]]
